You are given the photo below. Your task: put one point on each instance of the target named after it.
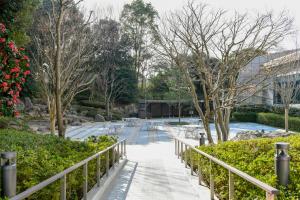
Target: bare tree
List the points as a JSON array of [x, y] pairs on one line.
[[211, 47], [111, 86], [288, 89], [64, 49], [286, 83]]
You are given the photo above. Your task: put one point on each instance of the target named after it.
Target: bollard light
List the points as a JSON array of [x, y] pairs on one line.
[[282, 163], [8, 174], [202, 139]]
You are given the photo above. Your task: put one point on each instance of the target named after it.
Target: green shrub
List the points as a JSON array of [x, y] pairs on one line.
[[178, 123], [95, 104], [10, 122], [277, 120], [294, 112], [256, 158], [116, 115], [244, 116], [41, 156], [251, 108]]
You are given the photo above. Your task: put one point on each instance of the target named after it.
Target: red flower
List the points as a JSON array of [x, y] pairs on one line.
[[27, 72], [2, 28], [11, 92], [17, 61], [4, 84], [7, 76], [17, 75], [15, 69], [11, 45], [2, 40], [23, 80], [21, 49], [9, 103], [25, 57], [16, 113], [27, 65]]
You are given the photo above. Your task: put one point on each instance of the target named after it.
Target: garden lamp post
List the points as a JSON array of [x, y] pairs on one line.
[[8, 174], [282, 163]]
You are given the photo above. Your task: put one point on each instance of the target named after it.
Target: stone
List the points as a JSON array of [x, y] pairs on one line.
[[76, 123], [248, 135], [28, 104], [43, 129], [99, 118]]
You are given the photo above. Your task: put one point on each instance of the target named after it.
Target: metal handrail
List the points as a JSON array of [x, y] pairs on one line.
[[62, 175], [271, 192]]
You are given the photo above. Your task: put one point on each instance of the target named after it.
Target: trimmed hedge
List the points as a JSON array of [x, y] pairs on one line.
[[94, 104], [244, 116], [271, 119], [255, 157], [277, 120], [41, 156], [294, 112]]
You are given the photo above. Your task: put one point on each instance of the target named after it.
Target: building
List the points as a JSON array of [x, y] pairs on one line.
[[261, 73]]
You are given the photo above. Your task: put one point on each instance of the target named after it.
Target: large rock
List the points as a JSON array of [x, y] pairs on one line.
[[99, 118], [43, 129], [76, 123], [28, 104], [248, 135]]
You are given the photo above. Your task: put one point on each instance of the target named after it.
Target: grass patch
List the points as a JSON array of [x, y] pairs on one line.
[[42, 156]]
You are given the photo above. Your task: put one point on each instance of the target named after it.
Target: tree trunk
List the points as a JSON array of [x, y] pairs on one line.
[[286, 119], [52, 113], [59, 114], [107, 110]]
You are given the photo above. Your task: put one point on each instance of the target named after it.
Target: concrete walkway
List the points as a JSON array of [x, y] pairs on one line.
[[153, 172]]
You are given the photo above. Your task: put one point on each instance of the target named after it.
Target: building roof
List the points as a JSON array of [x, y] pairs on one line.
[[292, 57]]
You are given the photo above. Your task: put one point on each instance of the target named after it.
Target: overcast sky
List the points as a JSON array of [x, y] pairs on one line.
[[293, 6]]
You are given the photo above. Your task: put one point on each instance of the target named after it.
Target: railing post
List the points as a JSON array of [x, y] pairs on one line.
[[191, 158], [199, 170], [98, 170], [185, 156], [178, 149], [118, 153], [113, 157], [125, 148], [63, 189], [175, 146], [211, 182], [270, 196], [231, 185], [181, 151], [122, 149], [85, 183], [107, 162]]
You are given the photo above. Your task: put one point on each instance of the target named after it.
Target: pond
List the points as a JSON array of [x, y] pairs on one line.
[[243, 126]]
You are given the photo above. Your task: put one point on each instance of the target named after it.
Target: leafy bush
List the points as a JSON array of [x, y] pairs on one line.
[[295, 112], [15, 123], [271, 119], [252, 108], [178, 123], [14, 69], [95, 104], [244, 116], [256, 158], [42, 156], [277, 120]]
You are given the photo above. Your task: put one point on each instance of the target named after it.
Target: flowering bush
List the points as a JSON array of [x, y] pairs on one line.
[[14, 68]]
